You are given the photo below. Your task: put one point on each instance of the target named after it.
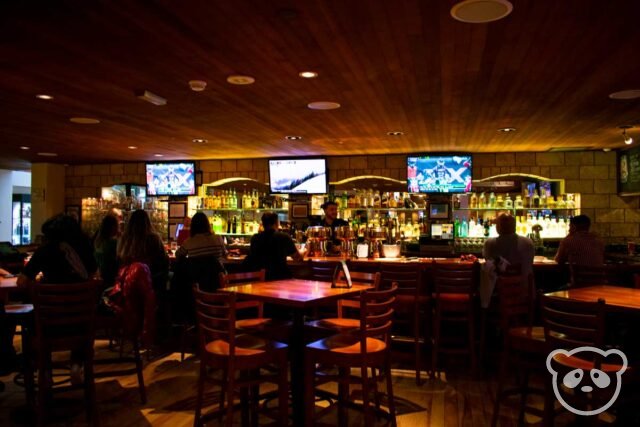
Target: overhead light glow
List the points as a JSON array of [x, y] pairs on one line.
[[395, 133], [132, 147], [293, 137], [481, 11], [240, 80], [84, 120], [308, 74], [323, 105], [44, 154], [199, 140], [507, 130], [24, 147], [44, 96], [151, 97], [626, 94], [159, 155]]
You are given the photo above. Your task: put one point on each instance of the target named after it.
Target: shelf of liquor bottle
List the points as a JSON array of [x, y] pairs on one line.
[[516, 209], [469, 238], [384, 209], [235, 234], [243, 209]]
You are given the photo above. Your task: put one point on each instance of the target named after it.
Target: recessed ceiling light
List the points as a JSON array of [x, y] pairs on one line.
[[199, 140], [481, 11], [626, 94], [132, 147], [151, 97], [293, 137], [44, 96], [606, 150], [159, 155], [84, 120], [308, 74], [507, 130], [197, 85], [24, 147], [323, 105], [395, 133], [240, 80], [340, 142], [47, 154]]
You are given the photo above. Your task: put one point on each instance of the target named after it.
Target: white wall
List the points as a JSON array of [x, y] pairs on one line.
[[6, 196], [21, 179]]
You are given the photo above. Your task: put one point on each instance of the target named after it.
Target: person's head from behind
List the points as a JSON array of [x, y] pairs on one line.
[[139, 224], [61, 228], [270, 221], [330, 210], [579, 223], [133, 243], [200, 224], [109, 228], [505, 224]]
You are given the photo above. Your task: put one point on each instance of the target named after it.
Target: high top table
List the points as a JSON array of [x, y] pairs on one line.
[[297, 295], [616, 298]]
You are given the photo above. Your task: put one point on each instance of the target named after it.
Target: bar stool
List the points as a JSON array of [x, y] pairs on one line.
[[523, 347], [64, 321], [367, 347], [221, 348], [412, 303], [455, 286]]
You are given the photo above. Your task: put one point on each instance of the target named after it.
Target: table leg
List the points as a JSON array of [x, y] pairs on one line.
[[27, 356], [296, 349]]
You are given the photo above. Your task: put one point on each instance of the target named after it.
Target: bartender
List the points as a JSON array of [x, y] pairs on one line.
[[332, 221]]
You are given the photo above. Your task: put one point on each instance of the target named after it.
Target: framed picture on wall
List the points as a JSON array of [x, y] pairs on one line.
[[299, 210], [177, 210], [74, 211]]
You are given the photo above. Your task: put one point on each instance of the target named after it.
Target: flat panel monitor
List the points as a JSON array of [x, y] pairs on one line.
[[298, 176], [439, 173], [442, 231], [171, 179]]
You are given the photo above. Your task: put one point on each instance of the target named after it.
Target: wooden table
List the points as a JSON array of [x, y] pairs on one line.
[[297, 295], [616, 297]]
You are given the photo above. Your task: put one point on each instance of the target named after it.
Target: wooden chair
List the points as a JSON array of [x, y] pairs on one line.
[[342, 322], [222, 349], [233, 279], [322, 271], [583, 276], [569, 324], [366, 348], [523, 348], [455, 287], [412, 305], [64, 321]]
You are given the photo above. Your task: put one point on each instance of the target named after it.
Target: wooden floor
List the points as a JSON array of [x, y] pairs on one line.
[[453, 400]]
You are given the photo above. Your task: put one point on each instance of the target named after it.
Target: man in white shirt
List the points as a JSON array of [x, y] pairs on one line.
[[517, 250]]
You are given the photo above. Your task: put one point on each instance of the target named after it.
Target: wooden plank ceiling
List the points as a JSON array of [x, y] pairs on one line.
[[547, 70]]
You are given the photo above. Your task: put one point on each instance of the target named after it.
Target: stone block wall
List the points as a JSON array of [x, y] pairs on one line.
[[590, 173]]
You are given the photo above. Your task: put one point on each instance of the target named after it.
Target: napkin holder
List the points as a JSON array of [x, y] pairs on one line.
[[342, 267]]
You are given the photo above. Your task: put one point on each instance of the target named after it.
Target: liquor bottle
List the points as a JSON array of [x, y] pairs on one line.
[[473, 202], [234, 225], [234, 199], [487, 229], [472, 228], [377, 200], [543, 198], [456, 202], [345, 200], [499, 202], [518, 202], [464, 228], [456, 227], [384, 200], [492, 200], [371, 199], [393, 201], [508, 203], [482, 201], [223, 199], [535, 200]]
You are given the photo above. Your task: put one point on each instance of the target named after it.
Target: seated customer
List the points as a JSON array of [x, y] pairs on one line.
[[517, 250], [270, 248], [581, 247], [202, 241], [66, 255], [105, 245]]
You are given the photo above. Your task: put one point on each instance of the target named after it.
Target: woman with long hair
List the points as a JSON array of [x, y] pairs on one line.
[[105, 245], [202, 241]]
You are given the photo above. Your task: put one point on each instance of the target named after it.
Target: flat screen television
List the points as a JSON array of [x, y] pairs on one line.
[[298, 176], [439, 173], [171, 179]]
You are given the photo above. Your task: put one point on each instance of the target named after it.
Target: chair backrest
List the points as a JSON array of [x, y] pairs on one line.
[[65, 315], [322, 271], [569, 324], [376, 313], [232, 279], [455, 277], [516, 301], [408, 278], [369, 279], [205, 271], [216, 314], [582, 275]]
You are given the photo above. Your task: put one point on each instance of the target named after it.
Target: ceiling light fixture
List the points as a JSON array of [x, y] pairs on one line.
[[44, 96], [308, 74], [151, 97], [84, 120], [197, 85], [293, 137], [24, 147], [132, 147], [626, 94], [158, 155], [199, 140], [606, 150], [323, 105], [237, 79], [44, 154], [626, 138], [481, 11], [507, 130], [395, 133]]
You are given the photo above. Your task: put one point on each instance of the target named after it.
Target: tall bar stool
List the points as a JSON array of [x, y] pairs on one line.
[[524, 349], [64, 321], [221, 348], [412, 305], [454, 302], [367, 347]]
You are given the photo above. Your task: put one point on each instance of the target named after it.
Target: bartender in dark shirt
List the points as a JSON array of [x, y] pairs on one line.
[[270, 248], [331, 220]]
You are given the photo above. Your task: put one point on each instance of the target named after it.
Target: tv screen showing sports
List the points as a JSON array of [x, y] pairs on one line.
[[439, 174], [298, 176], [171, 179]]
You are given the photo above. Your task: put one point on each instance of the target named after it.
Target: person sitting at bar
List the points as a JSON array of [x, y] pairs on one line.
[[105, 245], [580, 247], [202, 241], [270, 248], [517, 250], [66, 255]]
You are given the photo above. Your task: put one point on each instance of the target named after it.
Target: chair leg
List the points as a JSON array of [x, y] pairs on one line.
[[549, 403], [523, 397], [41, 395], [230, 395], [436, 343], [309, 393], [368, 421], [200, 394], [390, 398], [223, 388], [90, 391], [283, 392], [343, 397], [138, 359], [183, 338], [245, 400], [472, 342], [416, 340], [376, 396], [483, 336], [501, 378]]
